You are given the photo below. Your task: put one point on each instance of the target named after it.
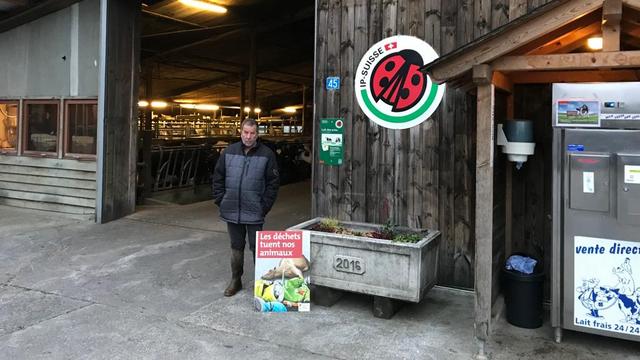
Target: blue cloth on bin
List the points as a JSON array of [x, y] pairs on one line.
[[522, 264]]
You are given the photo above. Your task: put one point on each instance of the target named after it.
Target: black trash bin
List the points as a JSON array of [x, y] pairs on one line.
[[523, 297]]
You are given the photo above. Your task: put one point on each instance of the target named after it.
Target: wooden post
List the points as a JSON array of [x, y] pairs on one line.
[[117, 109], [147, 135], [304, 113], [253, 59], [243, 99], [482, 76], [611, 16]]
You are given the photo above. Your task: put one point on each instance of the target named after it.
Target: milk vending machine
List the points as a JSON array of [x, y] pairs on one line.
[[595, 284]]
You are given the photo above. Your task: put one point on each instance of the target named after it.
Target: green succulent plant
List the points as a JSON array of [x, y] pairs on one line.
[[407, 238]]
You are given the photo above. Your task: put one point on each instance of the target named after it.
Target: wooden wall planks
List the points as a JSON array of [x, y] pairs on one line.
[[422, 177], [59, 185]]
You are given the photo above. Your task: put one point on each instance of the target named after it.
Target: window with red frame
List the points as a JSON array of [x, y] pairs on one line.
[[81, 123], [41, 127], [8, 125]]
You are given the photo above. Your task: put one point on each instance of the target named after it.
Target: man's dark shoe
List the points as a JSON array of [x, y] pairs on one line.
[[234, 286], [237, 262]]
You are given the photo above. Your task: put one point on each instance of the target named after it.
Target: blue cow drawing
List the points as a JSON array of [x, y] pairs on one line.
[[596, 298]]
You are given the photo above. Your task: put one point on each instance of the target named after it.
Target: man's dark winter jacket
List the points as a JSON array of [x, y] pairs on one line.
[[245, 186]]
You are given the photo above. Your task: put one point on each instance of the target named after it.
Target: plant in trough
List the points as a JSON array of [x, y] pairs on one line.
[[329, 225], [387, 232], [407, 238]]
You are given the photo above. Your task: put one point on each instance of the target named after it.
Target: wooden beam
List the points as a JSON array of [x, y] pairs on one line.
[[502, 82], [253, 63], [612, 11], [192, 31], [482, 74], [631, 28], [170, 18], [18, 2], [207, 41], [34, 12], [516, 36], [187, 65], [635, 4], [197, 86], [280, 81], [297, 78], [266, 68], [303, 14], [632, 43], [160, 4], [548, 77], [242, 97], [562, 34], [577, 61], [611, 15], [238, 67], [484, 213], [570, 41]]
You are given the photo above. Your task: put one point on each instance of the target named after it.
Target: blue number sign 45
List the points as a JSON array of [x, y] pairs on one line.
[[333, 83]]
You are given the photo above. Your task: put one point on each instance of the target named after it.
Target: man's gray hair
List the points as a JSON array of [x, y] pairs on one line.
[[249, 121]]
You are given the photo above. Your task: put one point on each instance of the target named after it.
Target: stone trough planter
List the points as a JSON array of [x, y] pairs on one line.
[[401, 271]]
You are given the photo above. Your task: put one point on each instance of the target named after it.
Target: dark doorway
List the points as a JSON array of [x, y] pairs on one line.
[[203, 72]]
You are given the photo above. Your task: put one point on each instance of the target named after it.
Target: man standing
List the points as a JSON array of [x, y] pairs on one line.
[[245, 186]]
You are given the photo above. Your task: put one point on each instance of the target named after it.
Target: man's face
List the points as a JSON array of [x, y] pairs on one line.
[[249, 135]]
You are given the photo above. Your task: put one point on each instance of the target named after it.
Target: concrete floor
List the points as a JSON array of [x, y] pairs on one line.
[[150, 287]]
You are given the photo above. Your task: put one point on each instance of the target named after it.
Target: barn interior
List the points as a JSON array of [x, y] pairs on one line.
[[206, 68]]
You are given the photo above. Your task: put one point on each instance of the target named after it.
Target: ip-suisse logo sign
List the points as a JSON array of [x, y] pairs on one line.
[[390, 88]]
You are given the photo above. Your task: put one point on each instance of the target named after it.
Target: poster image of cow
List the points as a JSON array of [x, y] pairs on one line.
[[578, 113], [282, 271], [607, 285]]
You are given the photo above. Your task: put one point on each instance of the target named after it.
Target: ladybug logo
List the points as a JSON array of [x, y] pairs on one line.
[[390, 88], [397, 80]]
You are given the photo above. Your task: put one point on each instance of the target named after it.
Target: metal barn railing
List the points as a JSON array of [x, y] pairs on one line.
[[176, 166]]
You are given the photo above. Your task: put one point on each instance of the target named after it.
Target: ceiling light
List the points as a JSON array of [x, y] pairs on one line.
[[207, 107], [289, 110], [188, 106], [595, 43], [247, 109], [205, 5], [143, 103], [257, 110], [158, 104]]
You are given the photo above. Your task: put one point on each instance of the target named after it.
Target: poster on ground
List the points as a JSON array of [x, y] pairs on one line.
[[607, 285], [282, 271]]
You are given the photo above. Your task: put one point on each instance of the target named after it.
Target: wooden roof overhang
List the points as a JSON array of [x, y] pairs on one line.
[[547, 45]]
